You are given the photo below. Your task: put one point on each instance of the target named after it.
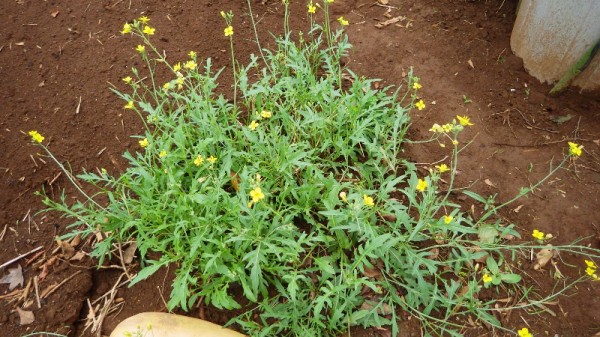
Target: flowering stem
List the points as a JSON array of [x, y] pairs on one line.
[[235, 82], [262, 55], [522, 193], [70, 177]]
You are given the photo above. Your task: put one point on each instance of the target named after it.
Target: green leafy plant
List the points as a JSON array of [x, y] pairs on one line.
[[294, 193]]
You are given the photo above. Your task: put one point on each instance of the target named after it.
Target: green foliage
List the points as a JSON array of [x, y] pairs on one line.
[[269, 194]]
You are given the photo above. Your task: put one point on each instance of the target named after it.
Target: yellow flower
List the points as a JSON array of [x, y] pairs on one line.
[[167, 85], [162, 154], [575, 149], [144, 142], [140, 48], [417, 86], [590, 264], [442, 168], [191, 65], [257, 195], [129, 105], [127, 79], [144, 19], [126, 28], [312, 9], [148, 30], [448, 219], [420, 104], [266, 114], [228, 31], [198, 160], [343, 21], [343, 196], [437, 128], [487, 278], [192, 54], [253, 125], [537, 234], [464, 120], [368, 200], [177, 67], [524, 333], [35, 136], [455, 142], [590, 271], [211, 159], [329, 1], [421, 185]]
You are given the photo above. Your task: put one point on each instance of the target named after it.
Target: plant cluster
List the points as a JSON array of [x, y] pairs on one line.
[[294, 193]]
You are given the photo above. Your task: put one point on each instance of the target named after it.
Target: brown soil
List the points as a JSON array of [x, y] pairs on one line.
[[58, 59]]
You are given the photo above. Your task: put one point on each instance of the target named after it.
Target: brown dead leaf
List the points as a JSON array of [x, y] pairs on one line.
[[78, 256], [25, 317], [66, 249], [390, 21], [597, 142], [517, 209], [471, 63], [129, 253], [44, 272], [372, 272], [489, 183], [14, 278], [543, 257], [75, 241], [55, 13], [384, 2], [382, 308], [434, 254]]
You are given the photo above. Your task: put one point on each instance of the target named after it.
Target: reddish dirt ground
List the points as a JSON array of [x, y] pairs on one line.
[[59, 58]]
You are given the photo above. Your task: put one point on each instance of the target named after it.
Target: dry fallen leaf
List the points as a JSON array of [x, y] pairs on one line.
[[543, 257], [14, 278], [25, 317], [434, 254], [489, 183], [382, 308], [55, 13], [390, 21], [67, 250], [471, 63], [384, 2], [78, 256], [517, 209], [129, 253]]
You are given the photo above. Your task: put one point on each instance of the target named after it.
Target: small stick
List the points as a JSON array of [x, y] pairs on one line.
[[19, 257], [3, 232], [37, 291], [78, 106], [50, 291]]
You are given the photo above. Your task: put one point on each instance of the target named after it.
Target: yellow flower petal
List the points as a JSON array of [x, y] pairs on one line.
[[36, 136], [368, 200], [421, 185]]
